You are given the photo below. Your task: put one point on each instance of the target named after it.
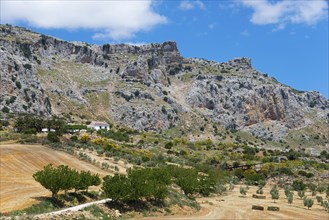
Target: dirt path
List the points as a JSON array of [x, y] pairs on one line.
[[233, 206], [73, 209], [19, 162]]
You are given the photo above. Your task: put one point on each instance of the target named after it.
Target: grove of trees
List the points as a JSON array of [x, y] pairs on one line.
[[65, 178], [148, 183], [31, 124]]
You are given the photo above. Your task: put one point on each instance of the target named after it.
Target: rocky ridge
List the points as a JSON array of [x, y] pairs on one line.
[[149, 87]]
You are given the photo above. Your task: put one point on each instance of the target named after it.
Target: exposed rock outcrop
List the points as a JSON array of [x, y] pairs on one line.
[[146, 87]]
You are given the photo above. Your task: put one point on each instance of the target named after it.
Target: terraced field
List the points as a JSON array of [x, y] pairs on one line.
[[18, 162]]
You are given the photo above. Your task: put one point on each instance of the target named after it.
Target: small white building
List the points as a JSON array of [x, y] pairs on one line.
[[97, 125]]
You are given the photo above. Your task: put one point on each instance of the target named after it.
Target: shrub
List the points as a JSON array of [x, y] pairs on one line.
[[5, 109], [319, 199], [169, 145], [25, 48], [74, 138], [18, 84], [12, 99], [53, 137], [285, 170], [298, 185], [85, 138], [27, 66], [4, 123], [243, 190]]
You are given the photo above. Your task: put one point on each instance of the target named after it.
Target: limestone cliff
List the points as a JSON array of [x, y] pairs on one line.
[[148, 87]]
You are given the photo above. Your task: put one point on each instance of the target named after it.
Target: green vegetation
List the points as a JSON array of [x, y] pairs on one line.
[[308, 202], [202, 167], [29, 124], [274, 193], [137, 185], [243, 190], [290, 198], [64, 178]]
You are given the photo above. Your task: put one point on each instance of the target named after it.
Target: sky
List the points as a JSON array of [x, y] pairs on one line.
[[286, 39]]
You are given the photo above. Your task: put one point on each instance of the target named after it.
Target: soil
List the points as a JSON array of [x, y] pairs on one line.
[[18, 189], [234, 206]]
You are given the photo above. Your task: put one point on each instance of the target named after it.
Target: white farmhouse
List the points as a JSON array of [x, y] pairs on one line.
[[97, 125]]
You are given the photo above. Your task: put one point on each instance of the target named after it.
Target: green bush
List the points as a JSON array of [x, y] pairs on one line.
[[285, 170], [53, 137], [18, 84], [298, 185], [74, 138]]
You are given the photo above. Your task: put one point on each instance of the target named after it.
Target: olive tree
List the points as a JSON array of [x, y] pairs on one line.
[[274, 193]]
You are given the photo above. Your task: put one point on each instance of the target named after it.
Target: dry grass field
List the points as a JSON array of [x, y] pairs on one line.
[[233, 206], [18, 162]]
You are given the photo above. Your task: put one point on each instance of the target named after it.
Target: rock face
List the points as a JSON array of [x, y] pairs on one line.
[[148, 87]]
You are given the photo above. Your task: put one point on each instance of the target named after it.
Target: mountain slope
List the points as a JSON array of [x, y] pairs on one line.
[[153, 88]]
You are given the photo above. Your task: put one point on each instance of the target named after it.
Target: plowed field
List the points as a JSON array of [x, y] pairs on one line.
[[19, 162]]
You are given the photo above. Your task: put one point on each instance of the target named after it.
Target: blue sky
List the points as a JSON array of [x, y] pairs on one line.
[[285, 39]]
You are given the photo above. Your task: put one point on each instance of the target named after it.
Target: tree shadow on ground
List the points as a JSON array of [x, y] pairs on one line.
[[58, 203], [135, 205]]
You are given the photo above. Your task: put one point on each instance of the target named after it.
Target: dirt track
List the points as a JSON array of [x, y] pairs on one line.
[[233, 206], [18, 162]]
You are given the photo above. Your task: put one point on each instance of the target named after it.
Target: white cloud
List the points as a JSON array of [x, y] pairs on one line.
[[188, 5], [287, 11], [200, 4], [109, 19]]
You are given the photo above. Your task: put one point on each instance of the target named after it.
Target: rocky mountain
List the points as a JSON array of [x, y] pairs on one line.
[[151, 88]]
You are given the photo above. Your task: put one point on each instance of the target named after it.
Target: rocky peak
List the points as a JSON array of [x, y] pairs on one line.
[[166, 47], [240, 63]]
